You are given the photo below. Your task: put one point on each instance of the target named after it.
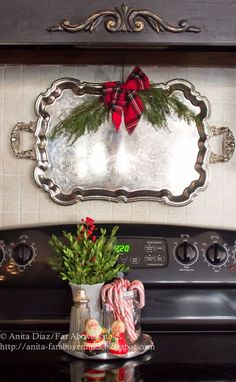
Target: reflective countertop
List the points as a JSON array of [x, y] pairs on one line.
[[177, 357]]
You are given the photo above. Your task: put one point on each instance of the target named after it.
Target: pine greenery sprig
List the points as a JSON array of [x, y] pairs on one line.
[[159, 104], [84, 118], [87, 117]]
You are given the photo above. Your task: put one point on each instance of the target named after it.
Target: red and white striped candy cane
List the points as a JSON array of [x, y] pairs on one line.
[[138, 285], [123, 308], [129, 320], [107, 295], [118, 313]]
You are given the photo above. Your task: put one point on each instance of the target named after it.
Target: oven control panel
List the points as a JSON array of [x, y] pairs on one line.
[[181, 255], [142, 252], [155, 254], [16, 256], [148, 252]]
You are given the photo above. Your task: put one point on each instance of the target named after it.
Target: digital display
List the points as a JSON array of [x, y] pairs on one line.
[[122, 248], [142, 252]]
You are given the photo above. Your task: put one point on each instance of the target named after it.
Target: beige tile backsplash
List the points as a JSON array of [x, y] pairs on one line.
[[22, 202]]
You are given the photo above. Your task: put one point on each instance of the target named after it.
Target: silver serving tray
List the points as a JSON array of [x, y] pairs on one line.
[[169, 165], [142, 346]]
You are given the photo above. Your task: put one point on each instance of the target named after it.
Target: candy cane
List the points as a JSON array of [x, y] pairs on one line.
[[123, 308], [129, 322], [138, 285], [117, 304], [104, 292], [126, 307], [107, 295]]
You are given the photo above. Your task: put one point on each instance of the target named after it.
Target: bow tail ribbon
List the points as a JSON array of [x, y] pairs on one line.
[[133, 112], [123, 99]]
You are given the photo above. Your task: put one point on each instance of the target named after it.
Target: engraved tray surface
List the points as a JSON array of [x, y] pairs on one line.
[[142, 346], [168, 165]]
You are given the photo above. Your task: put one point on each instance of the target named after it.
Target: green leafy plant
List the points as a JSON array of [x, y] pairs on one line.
[[87, 257]]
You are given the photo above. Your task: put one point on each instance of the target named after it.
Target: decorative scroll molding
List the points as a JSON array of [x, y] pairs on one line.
[[124, 19]]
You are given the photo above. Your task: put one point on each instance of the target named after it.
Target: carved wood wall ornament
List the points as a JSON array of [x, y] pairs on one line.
[[124, 19]]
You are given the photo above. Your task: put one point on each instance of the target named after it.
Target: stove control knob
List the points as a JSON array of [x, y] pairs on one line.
[[22, 254], [216, 254], [2, 255], [186, 253]]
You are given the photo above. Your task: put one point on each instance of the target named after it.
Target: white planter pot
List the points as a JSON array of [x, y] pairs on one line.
[[93, 293]]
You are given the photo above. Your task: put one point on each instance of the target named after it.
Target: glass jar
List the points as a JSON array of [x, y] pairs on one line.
[[132, 298], [107, 317]]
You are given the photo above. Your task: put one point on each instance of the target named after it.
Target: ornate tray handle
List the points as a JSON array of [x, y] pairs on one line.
[[16, 142], [228, 144]]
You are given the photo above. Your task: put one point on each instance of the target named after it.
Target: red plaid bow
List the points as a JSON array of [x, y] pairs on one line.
[[124, 98]]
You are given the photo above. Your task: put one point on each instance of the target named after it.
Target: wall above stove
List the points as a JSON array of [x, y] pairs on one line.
[[22, 202]]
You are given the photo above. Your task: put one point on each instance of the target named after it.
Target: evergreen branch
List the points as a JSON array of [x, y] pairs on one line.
[[84, 118], [87, 117], [159, 104]]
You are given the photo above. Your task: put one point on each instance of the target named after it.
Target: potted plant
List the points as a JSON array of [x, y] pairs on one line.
[[87, 260]]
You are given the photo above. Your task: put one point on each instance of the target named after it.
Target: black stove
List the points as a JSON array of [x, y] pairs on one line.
[[178, 357], [190, 284]]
